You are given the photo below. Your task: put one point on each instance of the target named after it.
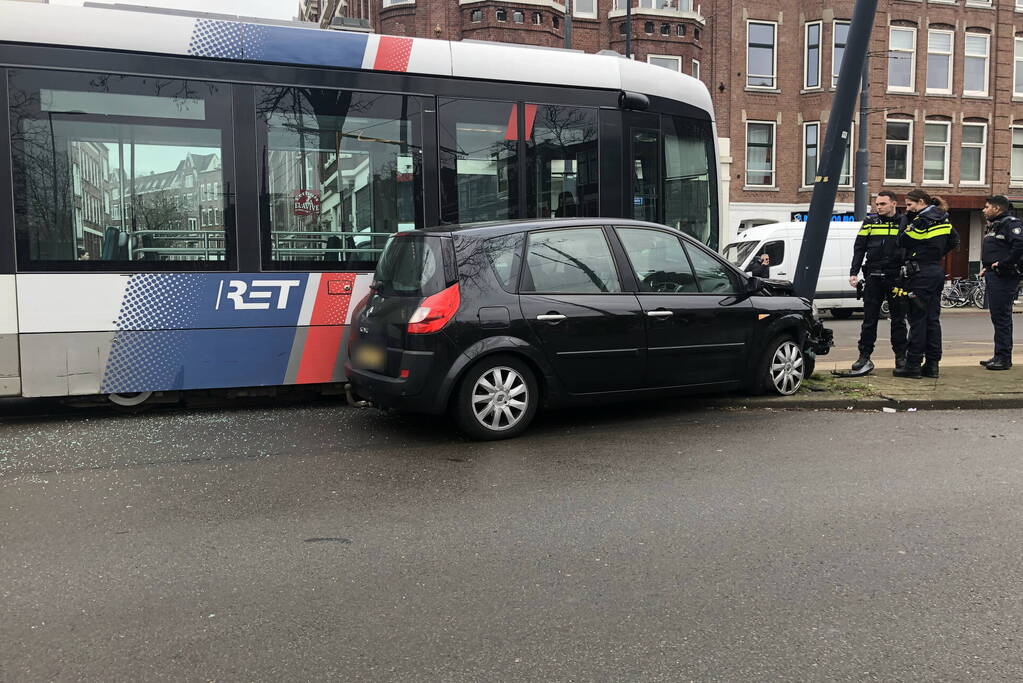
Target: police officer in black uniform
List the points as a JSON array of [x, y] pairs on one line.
[[877, 242], [927, 238], [1001, 254]]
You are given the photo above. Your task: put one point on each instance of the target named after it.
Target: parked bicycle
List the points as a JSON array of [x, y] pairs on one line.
[[961, 292]]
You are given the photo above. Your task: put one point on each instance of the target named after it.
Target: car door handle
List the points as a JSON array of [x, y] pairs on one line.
[[550, 317], [660, 313]]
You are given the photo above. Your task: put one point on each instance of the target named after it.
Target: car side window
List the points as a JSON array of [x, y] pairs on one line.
[[713, 275], [574, 261], [658, 260], [775, 250], [503, 253]]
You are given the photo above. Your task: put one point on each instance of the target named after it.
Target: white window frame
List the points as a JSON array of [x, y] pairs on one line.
[[1017, 179], [835, 66], [947, 147], [806, 53], [695, 69], [774, 154], [950, 55], [576, 12], [674, 58], [392, 3], [817, 146], [987, 63], [1017, 64], [912, 60], [851, 152], [909, 152], [774, 56], [982, 146]]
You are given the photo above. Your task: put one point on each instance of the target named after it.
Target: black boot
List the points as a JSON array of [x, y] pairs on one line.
[[863, 364], [988, 362], [909, 371], [930, 369], [900, 362], [999, 364]]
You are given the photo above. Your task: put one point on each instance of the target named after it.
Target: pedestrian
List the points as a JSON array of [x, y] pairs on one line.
[[928, 236], [877, 252], [1001, 254], [760, 266]]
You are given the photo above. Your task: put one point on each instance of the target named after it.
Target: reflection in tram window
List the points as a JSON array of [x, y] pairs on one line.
[[117, 168], [343, 170], [562, 153], [689, 183]]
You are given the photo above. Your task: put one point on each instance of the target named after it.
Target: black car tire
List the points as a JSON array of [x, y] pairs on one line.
[[764, 379], [470, 399]]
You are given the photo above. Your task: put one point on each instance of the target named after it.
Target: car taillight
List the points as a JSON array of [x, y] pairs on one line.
[[435, 311]]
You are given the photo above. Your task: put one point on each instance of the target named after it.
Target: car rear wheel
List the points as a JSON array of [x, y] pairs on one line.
[[782, 368], [497, 399]]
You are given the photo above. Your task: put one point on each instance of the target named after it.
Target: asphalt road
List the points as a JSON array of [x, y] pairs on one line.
[[967, 337], [653, 542]]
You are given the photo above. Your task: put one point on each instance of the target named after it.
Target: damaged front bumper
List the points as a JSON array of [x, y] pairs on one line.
[[820, 339]]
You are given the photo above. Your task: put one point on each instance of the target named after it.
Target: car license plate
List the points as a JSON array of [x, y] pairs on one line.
[[370, 356]]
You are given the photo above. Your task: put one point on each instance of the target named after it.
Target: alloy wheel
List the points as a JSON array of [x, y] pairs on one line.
[[500, 398], [787, 368]]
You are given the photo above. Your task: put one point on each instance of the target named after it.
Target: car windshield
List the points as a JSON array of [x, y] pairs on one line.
[[737, 252], [410, 266]]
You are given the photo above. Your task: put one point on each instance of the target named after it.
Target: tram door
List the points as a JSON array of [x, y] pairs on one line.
[[644, 166]]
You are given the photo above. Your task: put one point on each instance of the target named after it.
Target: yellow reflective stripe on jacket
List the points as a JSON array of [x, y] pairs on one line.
[[933, 231], [878, 229]]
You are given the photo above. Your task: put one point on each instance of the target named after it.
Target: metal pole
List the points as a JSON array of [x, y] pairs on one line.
[[862, 200], [628, 29], [568, 24], [822, 204]]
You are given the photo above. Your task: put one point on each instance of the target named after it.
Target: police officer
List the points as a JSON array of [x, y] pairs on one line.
[[927, 238], [1001, 254], [877, 242]]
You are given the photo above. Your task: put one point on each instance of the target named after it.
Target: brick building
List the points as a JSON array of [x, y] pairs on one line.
[[946, 107]]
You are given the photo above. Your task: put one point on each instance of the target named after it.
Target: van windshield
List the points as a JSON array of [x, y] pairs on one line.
[[737, 252], [410, 266]]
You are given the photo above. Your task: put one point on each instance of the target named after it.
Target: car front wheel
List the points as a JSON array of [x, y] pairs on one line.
[[496, 399], [783, 367]]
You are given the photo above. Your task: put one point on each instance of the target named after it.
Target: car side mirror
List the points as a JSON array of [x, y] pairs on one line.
[[754, 285]]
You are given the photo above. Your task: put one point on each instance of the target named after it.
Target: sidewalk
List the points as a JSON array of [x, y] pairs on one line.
[[966, 387]]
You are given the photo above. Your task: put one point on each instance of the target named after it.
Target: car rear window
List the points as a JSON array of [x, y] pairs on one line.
[[411, 265]]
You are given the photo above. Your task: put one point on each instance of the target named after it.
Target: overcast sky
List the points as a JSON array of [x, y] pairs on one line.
[[272, 9]]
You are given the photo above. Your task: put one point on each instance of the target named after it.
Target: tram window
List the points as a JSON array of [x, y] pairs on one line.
[[561, 151], [108, 169], [690, 186], [478, 158], [343, 172]]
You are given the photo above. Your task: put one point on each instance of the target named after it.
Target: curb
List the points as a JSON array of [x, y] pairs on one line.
[[869, 403]]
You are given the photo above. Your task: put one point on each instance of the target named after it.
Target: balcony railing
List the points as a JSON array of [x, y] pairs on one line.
[[678, 9]]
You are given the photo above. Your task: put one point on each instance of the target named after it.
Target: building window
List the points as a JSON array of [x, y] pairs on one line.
[[391, 3], [555, 22], [901, 59], [648, 28], [696, 33], [760, 153], [477, 16], [898, 153], [936, 134], [975, 69], [839, 36], [518, 17], [621, 28], [939, 61], [667, 61], [812, 55], [537, 18], [680, 30], [1016, 162], [502, 14], [696, 68], [760, 54], [811, 143], [665, 29], [584, 8], [974, 147], [845, 177], [1017, 80]]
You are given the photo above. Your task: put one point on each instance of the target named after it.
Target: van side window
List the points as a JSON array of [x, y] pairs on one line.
[[776, 250], [576, 261]]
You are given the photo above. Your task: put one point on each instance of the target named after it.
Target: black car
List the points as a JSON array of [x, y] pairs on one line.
[[491, 321]]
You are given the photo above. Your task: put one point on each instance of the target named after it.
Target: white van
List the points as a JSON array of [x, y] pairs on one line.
[[782, 241]]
